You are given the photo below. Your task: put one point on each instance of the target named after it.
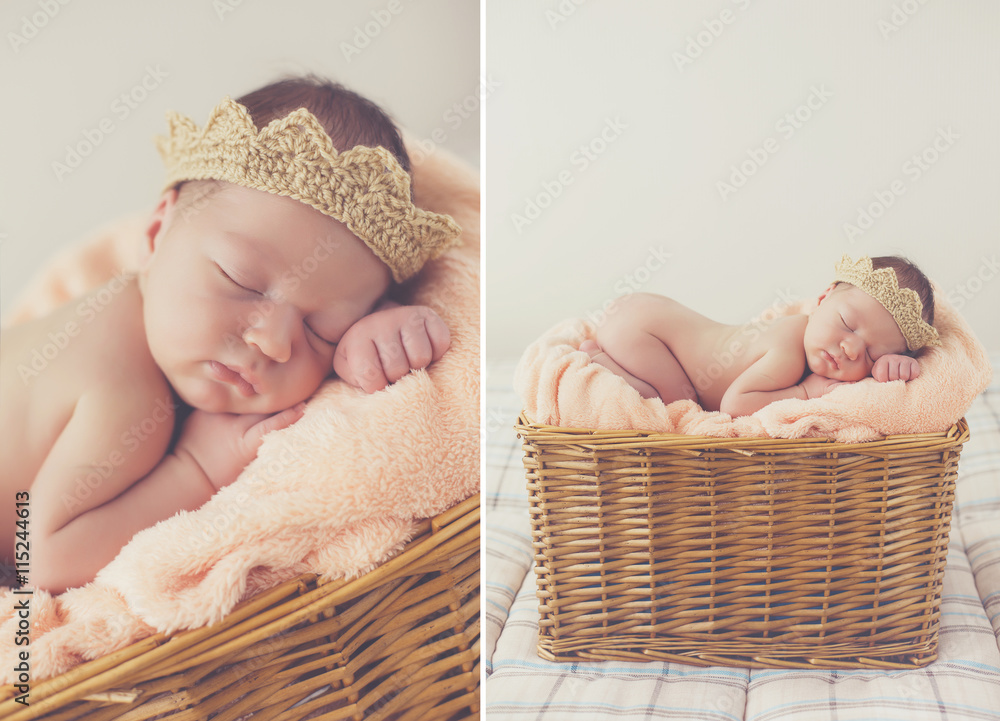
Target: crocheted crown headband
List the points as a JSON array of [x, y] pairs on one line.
[[364, 188], [903, 303]]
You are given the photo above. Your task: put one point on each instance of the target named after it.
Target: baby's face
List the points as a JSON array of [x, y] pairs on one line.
[[848, 332], [246, 294]]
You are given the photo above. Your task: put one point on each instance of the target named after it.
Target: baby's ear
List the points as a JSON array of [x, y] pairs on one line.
[[825, 293], [157, 225]]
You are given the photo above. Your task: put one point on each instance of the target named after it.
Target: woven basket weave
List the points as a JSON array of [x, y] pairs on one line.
[[401, 642], [752, 552]]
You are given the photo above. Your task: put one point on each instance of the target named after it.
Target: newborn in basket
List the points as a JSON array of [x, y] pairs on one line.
[[269, 261], [870, 321]]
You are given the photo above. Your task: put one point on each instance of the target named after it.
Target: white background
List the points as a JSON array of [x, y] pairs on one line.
[[556, 73], [418, 62], [565, 68]]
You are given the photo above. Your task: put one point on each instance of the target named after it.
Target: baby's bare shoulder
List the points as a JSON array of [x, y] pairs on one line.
[[125, 396], [781, 341], [787, 330], [109, 370], [139, 422], [81, 389], [112, 440], [117, 361]]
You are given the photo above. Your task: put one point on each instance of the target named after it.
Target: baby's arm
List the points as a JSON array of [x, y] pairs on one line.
[[86, 503], [771, 378], [385, 345], [78, 525]]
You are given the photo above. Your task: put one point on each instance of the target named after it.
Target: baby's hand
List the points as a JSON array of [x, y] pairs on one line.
[[384, 346], [895, 367], [817, 385], [223, 444]]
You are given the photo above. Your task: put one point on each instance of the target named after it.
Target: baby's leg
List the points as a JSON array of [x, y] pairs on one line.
[[601, 358], [644, 361]]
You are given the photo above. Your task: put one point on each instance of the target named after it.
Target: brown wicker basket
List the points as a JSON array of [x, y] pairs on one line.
[[401, 642], [753, 552]]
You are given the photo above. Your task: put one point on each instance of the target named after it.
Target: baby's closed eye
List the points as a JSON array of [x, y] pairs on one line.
[[229, 276]]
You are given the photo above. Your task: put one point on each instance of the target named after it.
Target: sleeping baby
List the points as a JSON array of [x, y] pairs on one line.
[[267, 264], [870, 320]]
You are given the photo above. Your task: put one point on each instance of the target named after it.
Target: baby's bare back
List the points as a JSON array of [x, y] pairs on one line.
[[93, 347], [711, 354]]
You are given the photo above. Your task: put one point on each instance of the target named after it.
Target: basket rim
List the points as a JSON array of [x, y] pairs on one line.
[[308, 593], [543, 434]]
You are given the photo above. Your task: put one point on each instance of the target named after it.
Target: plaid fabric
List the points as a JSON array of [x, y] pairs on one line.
[[963, 685]]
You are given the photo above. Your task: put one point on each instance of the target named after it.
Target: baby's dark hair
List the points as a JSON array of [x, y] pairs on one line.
[[347, 118], [910, 276]]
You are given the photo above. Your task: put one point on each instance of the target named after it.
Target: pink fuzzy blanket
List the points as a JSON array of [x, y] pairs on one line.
[[559, 386], [335, 494]]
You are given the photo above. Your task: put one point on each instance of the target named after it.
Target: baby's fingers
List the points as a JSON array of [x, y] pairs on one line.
[[417, 347], [424, 340], [880, 371], [906, 372], [255, 434], [366, 365], [392, 353], [440, 336]]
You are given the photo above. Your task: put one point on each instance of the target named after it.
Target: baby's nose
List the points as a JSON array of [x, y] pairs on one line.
[[272, 335], [850, 348]]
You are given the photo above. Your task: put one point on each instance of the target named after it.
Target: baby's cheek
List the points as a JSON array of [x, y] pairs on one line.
[[856, 372], [319, 356], [317, 369]]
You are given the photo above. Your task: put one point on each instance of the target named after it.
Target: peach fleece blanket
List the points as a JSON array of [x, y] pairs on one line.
[[336, 494], [559, 386]]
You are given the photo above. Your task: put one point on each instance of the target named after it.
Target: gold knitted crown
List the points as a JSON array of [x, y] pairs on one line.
[[903, 303], [364, 188]]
